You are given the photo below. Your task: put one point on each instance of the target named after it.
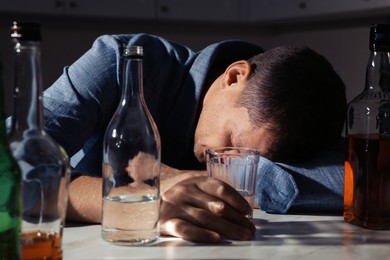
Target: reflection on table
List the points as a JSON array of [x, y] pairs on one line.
[[277, 237]]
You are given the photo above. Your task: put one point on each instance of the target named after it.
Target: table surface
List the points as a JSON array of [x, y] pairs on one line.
[[277, 237]]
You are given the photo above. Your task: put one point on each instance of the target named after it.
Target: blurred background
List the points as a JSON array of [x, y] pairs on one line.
[[338, 29]]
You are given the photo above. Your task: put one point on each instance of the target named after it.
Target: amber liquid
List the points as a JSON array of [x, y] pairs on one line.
[[367, 182], [41, 245]]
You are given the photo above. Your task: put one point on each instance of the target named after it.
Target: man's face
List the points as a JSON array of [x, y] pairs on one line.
[[222, 123]]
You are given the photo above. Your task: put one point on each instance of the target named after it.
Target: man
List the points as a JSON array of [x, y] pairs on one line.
[[287, 102]]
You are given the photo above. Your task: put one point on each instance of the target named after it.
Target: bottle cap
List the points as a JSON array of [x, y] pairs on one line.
[[380, 37], [26, 31], [133, 51]]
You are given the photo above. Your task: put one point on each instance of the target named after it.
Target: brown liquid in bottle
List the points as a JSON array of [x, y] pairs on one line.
[[41, 245], [367, 182]]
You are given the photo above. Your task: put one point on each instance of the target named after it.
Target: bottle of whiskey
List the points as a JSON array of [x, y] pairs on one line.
[[367, 165]]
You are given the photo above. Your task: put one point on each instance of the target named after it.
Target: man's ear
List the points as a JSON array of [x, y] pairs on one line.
[[236, 72]]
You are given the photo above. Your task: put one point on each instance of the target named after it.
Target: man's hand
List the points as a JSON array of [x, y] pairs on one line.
[[203, 209]]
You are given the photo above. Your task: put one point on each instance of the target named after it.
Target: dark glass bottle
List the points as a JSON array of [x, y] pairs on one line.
[[131, 163], [367, 166], [10, 194], [44, 164]]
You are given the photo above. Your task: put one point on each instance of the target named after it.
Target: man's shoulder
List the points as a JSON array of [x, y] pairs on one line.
[[231, 50], [142, 39]]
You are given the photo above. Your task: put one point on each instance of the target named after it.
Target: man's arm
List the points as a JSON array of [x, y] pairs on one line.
[[85, 200], [316, 185], [85, 194], [193, 206]]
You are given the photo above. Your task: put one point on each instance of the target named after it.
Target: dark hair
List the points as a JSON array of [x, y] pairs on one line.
[[300, 94]]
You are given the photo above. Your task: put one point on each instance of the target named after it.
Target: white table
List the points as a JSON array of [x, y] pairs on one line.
[[277, 237]]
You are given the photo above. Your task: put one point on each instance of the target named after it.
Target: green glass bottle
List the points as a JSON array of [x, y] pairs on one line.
[[10, 194]]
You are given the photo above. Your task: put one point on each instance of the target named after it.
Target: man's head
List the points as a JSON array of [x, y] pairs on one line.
[[287, 102]]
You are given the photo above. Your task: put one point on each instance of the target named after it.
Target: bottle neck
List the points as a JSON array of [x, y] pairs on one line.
[[132, 79], [27, 107], [378, 72]]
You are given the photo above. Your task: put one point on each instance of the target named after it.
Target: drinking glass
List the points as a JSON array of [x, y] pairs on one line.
[[236, 166]]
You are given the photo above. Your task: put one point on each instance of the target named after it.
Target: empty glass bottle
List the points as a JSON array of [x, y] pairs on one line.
[[131, 163], [44, 164], [367, 166]]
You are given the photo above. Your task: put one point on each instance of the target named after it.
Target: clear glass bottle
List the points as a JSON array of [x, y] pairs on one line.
[[10, 193], [367, 166], [131, 163], [44, 164]]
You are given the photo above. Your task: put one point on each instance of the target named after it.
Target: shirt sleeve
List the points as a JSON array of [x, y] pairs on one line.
[[313, 186], [83, 99]]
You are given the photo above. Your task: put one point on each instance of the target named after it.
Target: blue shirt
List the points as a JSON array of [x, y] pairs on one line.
[[80, 104]]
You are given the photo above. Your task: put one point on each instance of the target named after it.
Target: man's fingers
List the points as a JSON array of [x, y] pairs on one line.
[[208, 220], [220, 209], [215, 188], [226, 193], [214, 196], [188, 231], [203, 209], [204, 220]]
